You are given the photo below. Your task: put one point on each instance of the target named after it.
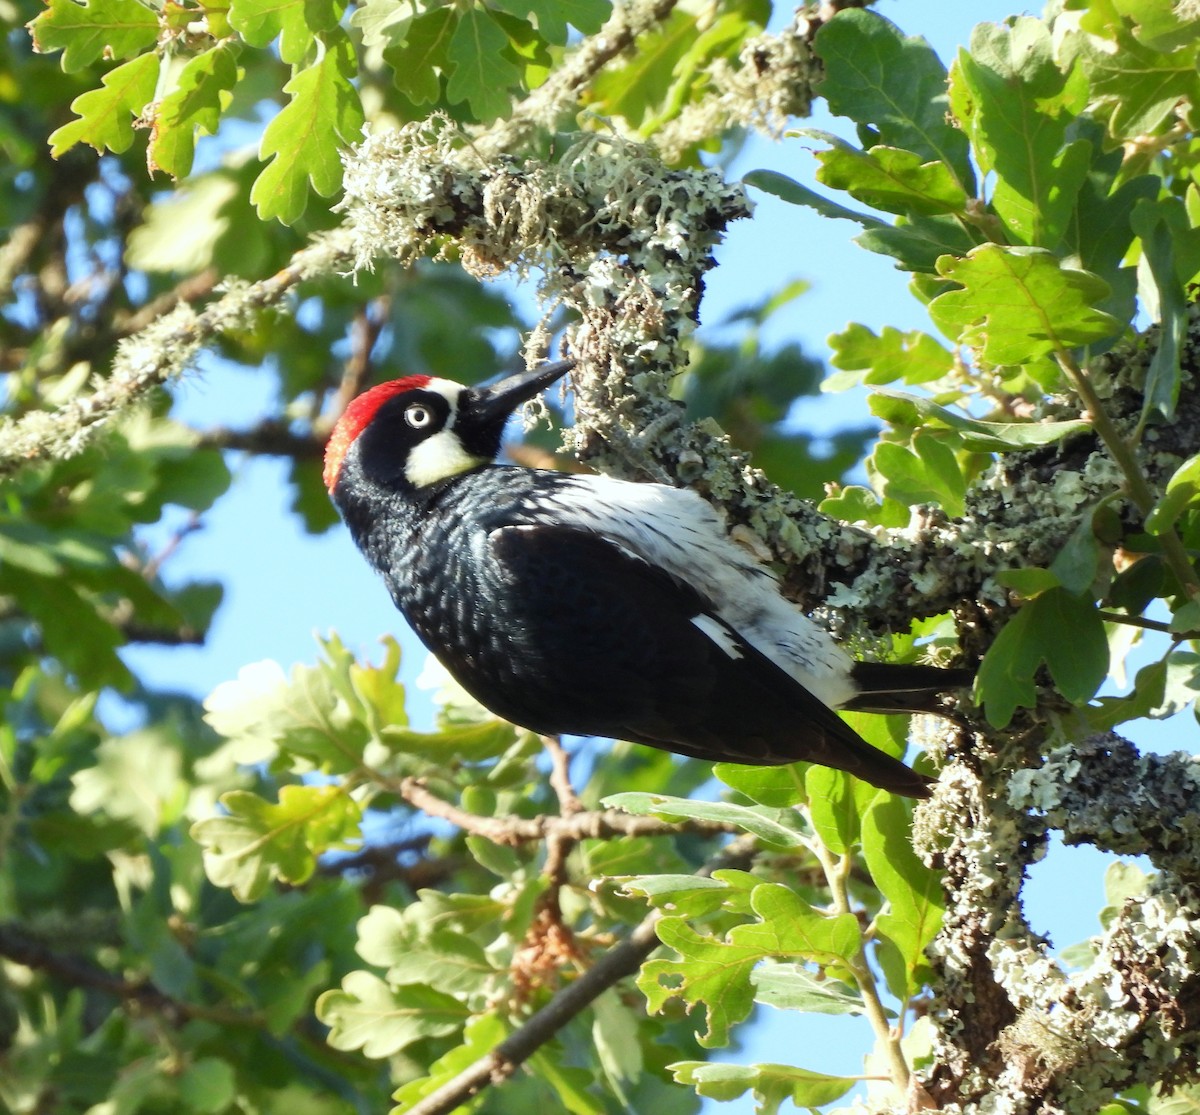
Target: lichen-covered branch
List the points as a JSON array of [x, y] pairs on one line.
[[1102, 792], [150, 358], [771, 84], [624, 241]]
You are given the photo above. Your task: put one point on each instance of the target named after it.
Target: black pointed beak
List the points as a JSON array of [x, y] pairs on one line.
[[483, 408]]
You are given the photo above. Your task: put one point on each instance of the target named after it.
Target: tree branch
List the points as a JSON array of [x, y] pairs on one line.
[[18, 945], [272, 437], [515, 831], [154, 356], [619, 962]]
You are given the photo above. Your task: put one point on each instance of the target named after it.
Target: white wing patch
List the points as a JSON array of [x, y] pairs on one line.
[[681, 533], [718, 634]]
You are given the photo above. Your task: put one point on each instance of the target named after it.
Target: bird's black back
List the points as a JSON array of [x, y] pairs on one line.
[[564, 631]]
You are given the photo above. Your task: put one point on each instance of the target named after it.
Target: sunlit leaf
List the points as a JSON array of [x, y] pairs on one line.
[[1019, 304], [86, 32], [106, 115], [305, 140]]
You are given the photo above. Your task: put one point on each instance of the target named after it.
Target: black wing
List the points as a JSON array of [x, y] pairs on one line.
[[595, 641]]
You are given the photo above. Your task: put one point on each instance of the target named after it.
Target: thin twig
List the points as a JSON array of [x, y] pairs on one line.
[[619, 962], [368, 324], [560, 776], [837, 873], [1148, 624], [151, 568]]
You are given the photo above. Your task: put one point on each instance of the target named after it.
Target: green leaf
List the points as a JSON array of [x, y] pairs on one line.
[[136, 777], [615, 1037], [305, 716], [1016, 104], [106, 115], [87, 32], [208, 1085], [905, 410], [893, 84], [645, 80], [446, 961], [387, 935], [789, 190], [552, 16], [568, 1086], [27, 546], [913, 357], [717, 973], [771, 1084], [257, 841], [917, 243], [694, 895], [71, 629], [1182, 491], [1162, 226], [709, 972], [469, 743], [1077, 564], [835, 805], [927, 473], [1136, 87], [1122, 881], [771, 825], [777, 787], [1020, 304], [854, 504], [792, 987], [480, 1038], [366, 1014], [415, 62], [195, 104], [305, 139], [295, 23], [481, 72], [913, 892], [889, 178], [1058, 628]]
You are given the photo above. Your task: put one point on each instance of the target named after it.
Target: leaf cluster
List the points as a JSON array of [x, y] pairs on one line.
[[1034, 238]]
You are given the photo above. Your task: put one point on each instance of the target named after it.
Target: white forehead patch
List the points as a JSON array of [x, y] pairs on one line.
[[450, 391]]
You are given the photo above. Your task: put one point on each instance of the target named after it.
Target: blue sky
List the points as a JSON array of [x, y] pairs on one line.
[[283, 585]]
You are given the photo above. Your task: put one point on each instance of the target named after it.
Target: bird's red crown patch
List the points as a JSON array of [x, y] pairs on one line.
[[357, 417]]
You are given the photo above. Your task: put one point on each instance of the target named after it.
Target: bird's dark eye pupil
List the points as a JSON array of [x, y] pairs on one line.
[[417, 416]]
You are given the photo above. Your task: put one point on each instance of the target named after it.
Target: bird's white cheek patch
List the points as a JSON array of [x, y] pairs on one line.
[[717, 634], [438, 457]]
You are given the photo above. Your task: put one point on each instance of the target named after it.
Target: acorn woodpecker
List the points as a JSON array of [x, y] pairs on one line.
[[590, 606]]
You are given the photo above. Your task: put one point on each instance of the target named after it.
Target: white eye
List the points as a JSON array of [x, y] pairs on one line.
[[418, 416]]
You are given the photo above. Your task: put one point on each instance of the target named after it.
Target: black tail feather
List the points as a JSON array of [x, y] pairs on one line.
[[898, 687]]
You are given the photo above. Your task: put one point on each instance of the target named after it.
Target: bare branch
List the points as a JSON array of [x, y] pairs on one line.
[[270, 438], [560, 776]]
